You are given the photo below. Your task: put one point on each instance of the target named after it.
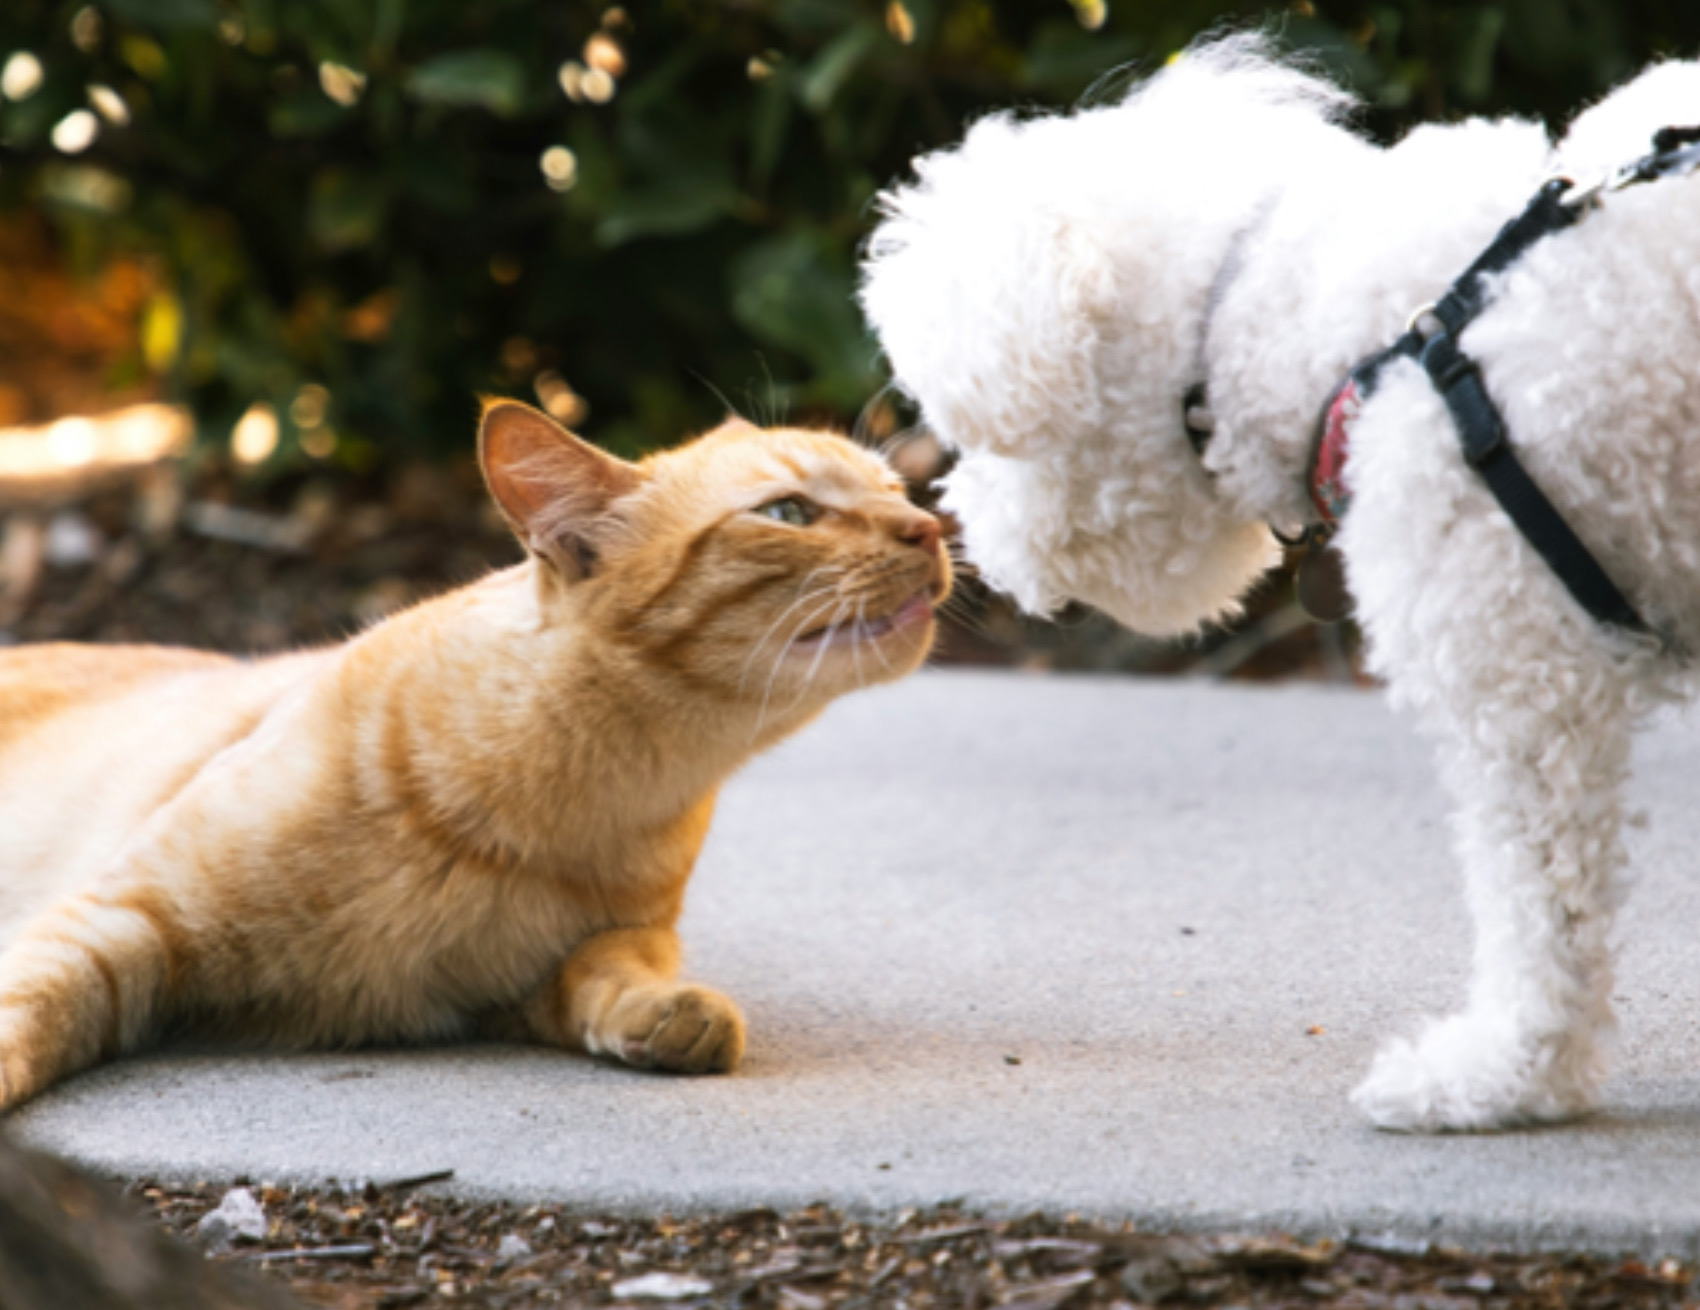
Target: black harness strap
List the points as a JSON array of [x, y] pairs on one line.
[[1481, 431], [1675, 150], [1464, 299], [1547, 213], [1482, 436]]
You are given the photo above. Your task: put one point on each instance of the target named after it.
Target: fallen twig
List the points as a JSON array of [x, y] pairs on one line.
[[353, 1251]]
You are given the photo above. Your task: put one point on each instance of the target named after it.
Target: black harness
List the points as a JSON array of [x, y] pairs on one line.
[[1432, 340]]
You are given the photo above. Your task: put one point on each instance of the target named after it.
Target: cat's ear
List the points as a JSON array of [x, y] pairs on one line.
[[555, 490]]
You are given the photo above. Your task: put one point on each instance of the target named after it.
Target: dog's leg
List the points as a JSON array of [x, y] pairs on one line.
[[1536, 763]]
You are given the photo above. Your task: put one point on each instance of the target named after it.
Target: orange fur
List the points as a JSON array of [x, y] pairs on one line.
[[477, 817]]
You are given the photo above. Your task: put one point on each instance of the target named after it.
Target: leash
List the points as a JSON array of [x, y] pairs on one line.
[[1431, 338]]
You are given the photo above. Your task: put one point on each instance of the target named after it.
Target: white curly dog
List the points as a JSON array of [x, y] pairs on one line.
[[1052, 292]]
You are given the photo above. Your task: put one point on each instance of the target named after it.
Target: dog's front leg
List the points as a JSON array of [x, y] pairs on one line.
[[1536, 764]]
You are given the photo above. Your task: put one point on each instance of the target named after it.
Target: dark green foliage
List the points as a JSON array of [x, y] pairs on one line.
[[395, 240]]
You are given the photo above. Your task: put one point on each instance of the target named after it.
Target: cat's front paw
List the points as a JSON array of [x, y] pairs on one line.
[[679, 1029], [1472, 1074]]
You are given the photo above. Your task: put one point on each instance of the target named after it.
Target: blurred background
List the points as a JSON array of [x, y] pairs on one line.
[[258, 257]]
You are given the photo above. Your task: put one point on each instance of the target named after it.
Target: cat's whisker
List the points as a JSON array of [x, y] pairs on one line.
[[859, 432], [767, 691], [731, 409], [961, 613], [820, 654], [834, 576], [754, 404], [801, 599], [881, 653], [779, 662], [856, 641], [774, 627], [965, 568], [957, 610], [776, 410]]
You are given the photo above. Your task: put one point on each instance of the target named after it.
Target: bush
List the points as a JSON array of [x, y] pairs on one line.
[[363, 212]]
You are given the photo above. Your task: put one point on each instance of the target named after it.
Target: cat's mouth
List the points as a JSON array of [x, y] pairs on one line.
[[917, 611]]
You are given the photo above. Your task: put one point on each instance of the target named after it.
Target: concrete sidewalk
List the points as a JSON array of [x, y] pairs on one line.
[[1105, 946]]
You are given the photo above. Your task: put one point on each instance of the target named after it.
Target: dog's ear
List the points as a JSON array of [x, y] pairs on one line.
[[990, 302]]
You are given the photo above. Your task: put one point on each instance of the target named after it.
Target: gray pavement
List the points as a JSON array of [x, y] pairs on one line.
[[1030, 943]]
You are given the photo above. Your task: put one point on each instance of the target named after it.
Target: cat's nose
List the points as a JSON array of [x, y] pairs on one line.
[[922, 530]]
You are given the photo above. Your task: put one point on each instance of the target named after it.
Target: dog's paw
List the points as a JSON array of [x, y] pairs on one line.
[[1467, 1074], [678, 1029]]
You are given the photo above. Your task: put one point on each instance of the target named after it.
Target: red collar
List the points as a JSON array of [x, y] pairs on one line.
[[1328, 489]]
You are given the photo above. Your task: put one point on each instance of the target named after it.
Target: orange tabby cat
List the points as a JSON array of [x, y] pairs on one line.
[[480, 815]]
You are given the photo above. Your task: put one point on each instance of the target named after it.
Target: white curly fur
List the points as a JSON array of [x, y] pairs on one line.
[[1042, 291]]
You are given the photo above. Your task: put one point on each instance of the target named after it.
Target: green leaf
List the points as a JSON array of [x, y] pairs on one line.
[[305, 113], [771, 116], [658, 87], [485, 78], [1065, 59], [666, 210], [85, 187], [796, 291], [345, 210], [835, 65], [24, 124], [1339, 55], [676, 175], [812, 17], [164, 15], [1473, 68], [445, 183]]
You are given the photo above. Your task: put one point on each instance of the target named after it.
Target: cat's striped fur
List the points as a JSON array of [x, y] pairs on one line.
[[478, 816]]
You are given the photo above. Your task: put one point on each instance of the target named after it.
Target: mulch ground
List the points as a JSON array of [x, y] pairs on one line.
[[405, 1245]]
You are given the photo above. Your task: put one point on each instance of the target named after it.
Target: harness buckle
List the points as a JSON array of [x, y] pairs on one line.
[[1628, 174], [1459, 381], [1579, 198], [1670, 146], [1423, 321]]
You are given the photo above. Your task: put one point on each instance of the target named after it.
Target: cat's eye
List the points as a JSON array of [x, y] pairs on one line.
[[791, 509]]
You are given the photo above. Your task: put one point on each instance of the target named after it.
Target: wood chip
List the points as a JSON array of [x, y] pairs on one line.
[[353, 1251], [1061, 1250], [950, 1234], [416, 1180], [1049, 1294]]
